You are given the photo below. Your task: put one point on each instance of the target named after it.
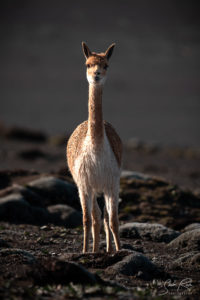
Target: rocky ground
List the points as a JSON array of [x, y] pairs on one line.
[[41, 224]]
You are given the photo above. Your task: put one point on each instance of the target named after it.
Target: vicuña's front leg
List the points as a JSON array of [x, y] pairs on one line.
[[86, 204], [96, 224], [112, 204]]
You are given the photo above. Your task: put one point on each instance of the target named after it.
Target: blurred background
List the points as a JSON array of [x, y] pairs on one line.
[[153, 87]]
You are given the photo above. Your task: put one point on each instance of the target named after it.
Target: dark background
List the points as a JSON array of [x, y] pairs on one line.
[[153, 86]]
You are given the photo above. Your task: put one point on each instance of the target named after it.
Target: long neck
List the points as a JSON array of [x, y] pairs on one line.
[[95, 114]]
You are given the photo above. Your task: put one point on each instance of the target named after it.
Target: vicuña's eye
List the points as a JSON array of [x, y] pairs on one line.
[[105, 67], [89, 66]]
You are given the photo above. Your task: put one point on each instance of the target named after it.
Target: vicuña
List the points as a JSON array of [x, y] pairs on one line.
[[94, 155]]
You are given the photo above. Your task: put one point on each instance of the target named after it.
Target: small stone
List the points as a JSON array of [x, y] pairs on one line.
[[130, 247], [155, 232], [39, 239], [54, 271], [187, 241], [12, 251], [126, 174], [46, 228], [65, 215], [188, 260], [192, 227], [14, 208], [140, 274], [31, 197], [133, 264], [56, 191]]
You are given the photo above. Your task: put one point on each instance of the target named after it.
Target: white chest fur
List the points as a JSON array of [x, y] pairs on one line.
[[96, 169]]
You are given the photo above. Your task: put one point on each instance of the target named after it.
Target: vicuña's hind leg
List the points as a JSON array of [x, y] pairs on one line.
[[86, 204], [112, 207], [96, 224], [109, 247]]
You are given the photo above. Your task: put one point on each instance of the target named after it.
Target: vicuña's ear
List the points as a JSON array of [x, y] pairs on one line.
[[86, 50], [109, 51]]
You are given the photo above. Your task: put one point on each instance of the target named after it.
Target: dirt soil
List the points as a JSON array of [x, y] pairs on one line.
[[22, 278], [34, 259]]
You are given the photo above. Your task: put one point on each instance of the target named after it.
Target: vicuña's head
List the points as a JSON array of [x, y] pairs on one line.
[[97, 64]]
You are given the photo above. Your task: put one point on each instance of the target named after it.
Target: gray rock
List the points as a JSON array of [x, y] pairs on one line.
[[127, 246], [78, 274], [187, 241], [56, 191], [14, 208], [40, 215], [65, 215], [54, 271], [155, 232], [126, 174], [134, 264], [192, 227], [31, 197], [30, 258], [188, 260]]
